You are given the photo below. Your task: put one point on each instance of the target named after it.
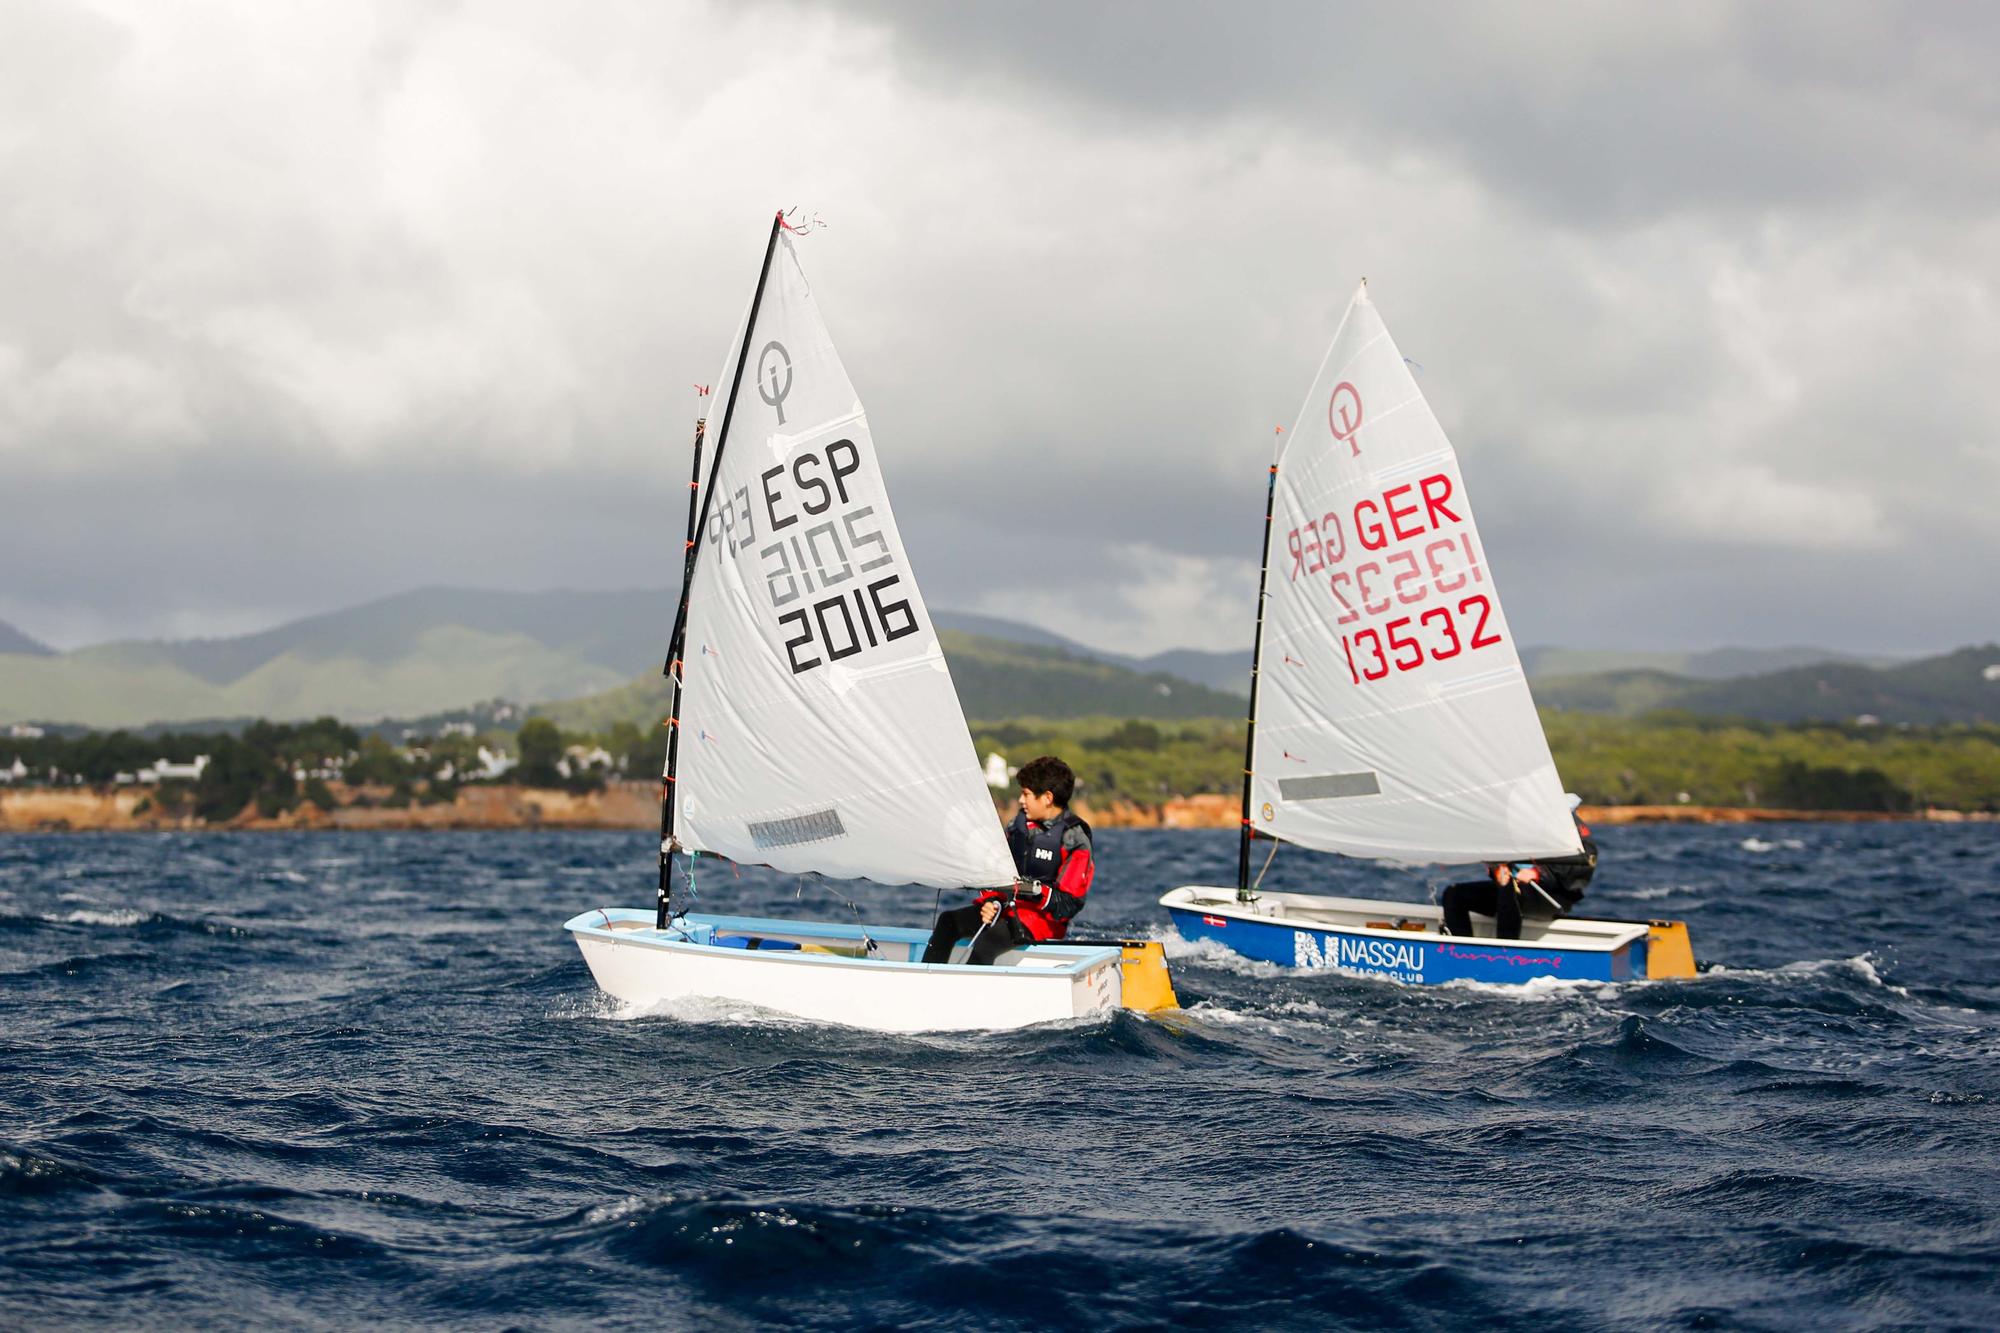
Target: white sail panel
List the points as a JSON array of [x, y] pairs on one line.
[[1393, 717], [819, 729]]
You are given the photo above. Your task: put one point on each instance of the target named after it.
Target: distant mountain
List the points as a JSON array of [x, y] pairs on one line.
[[13, 641], [1707, 664], [417, 653], [996, 679], [619, 631], [436, 649], [1225, 671], [1954, 687], [432, 650]]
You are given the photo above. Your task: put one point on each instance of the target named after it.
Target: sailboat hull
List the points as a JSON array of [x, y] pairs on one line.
[[1402, 942], [828, 972]]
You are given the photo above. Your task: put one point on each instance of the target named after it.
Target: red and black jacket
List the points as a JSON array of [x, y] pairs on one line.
[[1054, 862]]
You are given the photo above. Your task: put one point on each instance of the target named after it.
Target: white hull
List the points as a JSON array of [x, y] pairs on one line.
[[830, 978]]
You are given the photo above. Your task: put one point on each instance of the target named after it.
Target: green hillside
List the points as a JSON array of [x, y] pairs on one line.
[[995, 679], [1952, 688], [1702, 664]]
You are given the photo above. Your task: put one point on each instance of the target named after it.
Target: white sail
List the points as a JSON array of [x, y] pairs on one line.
[[1393, 717], [819, 729]]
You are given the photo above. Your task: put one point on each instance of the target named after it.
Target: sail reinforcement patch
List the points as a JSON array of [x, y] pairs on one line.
[[1329, 786], [815, 827]]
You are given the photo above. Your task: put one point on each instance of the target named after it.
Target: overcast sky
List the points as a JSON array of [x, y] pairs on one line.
[[303, 304]]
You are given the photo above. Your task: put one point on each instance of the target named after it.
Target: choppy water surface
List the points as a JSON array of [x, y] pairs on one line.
[[326, 1080]]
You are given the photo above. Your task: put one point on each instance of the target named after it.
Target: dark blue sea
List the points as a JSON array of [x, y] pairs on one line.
[[301, 1081]]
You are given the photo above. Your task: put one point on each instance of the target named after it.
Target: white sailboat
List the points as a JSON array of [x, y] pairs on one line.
[[816, 729], [1389, 716]]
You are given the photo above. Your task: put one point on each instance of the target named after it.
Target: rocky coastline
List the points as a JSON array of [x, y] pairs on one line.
[[635, 805]]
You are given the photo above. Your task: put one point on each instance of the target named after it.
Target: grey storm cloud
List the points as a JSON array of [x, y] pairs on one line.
[[301, 305], [1595, 113]]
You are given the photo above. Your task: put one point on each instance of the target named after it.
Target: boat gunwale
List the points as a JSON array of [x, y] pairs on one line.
[[1081, 960]]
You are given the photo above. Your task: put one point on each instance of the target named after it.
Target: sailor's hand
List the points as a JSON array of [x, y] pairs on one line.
[[1503, 874], [988, 910]]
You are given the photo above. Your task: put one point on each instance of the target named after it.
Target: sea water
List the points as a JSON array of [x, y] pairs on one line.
[[304, 1080]]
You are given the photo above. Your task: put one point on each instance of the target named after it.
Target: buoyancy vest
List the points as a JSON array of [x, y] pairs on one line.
[[1038, 859], [1565, 877]]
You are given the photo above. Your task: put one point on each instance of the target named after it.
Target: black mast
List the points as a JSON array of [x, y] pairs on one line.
[[1250, 725], [699, 498]]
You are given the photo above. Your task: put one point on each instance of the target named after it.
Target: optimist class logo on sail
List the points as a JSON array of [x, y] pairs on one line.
[[1343, 415]]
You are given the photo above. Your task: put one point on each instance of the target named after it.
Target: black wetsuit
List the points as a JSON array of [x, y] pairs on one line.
[[988, 943], [1557, 890]]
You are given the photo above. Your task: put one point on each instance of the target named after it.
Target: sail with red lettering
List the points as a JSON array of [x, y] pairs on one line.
[[1393, 719], [819, 728]]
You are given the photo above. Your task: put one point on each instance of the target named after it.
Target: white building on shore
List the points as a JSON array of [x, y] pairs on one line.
[[166, 770]]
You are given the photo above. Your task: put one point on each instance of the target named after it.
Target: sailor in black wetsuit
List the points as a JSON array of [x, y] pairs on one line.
[[1540, 891]]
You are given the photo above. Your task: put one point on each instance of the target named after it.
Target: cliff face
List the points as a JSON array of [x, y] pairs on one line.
[[621, 805], [79, 808]]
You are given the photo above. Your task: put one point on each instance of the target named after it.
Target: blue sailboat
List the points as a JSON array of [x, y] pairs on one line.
[[1389, 714]]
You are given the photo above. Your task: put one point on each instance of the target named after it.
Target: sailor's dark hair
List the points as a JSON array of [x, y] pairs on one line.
[[1046, 773]]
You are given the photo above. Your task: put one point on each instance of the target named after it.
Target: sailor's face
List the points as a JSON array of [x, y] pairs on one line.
[[1039, 806]]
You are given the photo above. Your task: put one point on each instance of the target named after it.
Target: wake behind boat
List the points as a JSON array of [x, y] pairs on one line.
[[1389, 714], [815, 728]]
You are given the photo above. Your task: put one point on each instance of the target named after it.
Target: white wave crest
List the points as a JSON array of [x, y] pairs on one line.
[[1754, 844], [599, 1007], [613, 1211], [1537, 990], [1861, 966], [119, 916], [1214, 954]]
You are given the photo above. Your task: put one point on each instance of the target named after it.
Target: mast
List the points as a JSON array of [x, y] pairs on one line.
[[1250, 724], [671, 670], [699, 498]]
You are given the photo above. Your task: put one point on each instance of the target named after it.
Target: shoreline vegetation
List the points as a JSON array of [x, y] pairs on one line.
[[635, 805], [1132, 772]]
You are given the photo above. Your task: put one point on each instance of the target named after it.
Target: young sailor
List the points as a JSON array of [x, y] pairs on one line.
[[1052, 856], [1540, 891]]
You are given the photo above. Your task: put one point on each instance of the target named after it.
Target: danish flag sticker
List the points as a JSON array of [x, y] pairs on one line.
[[1215, 921]]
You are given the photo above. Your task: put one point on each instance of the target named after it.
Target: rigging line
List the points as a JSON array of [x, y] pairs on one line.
[[867, 943], [1259, 881]]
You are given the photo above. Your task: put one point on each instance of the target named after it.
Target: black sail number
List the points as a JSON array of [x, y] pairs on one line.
[[841, 626]]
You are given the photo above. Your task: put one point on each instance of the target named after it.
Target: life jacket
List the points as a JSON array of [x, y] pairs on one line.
[[1566, 877], [1038, 859]]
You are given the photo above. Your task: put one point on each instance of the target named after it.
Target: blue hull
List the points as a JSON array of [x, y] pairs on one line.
[[1419, 959]]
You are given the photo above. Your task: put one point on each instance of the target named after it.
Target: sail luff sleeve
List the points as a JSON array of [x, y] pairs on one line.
[[705, 495], [1248, 829], [664, 908]]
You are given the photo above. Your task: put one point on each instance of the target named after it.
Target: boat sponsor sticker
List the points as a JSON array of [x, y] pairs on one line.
[[1396, 958]]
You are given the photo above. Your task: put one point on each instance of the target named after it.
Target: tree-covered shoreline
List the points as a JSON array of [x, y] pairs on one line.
[[1662, 759]]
